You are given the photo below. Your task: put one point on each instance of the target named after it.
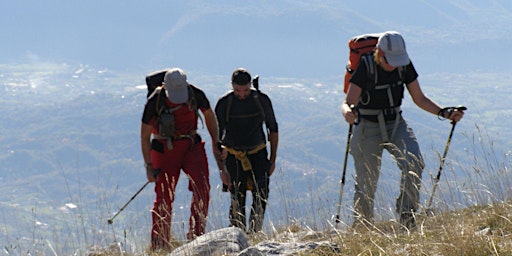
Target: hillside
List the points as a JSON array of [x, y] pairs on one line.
[[70, 154]]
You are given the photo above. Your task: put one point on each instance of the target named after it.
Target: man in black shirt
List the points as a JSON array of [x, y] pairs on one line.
[[376, 90], [240, 115]]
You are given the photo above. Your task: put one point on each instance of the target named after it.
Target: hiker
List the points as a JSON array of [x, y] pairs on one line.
[[376, 90], [170, 118], [240, 115]]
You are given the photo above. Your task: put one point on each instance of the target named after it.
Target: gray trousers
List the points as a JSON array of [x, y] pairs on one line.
[[366, 147]]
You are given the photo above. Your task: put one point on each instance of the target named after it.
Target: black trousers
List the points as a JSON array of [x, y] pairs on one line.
[[260, 190]]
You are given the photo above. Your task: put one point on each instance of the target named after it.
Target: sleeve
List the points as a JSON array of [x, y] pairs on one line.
[[410, 73], [149, 113], [202, 101], [220, 112], [360, 76]]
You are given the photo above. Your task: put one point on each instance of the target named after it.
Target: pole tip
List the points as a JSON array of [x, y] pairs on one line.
[[110, 221]]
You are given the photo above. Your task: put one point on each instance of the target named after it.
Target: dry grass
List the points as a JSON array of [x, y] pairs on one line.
[[479, 230]]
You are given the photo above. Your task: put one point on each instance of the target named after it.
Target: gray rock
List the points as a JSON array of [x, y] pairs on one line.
[[293, 248], [112, 249], [227, 241]]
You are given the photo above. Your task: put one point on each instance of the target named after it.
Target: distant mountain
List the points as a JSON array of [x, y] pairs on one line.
[[279, 38]]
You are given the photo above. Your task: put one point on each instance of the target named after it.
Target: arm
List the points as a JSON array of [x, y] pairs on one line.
[[272, 128], [425, 103], [212, 125], [145, 142], [220, 110], [213, 130], [273, 137]]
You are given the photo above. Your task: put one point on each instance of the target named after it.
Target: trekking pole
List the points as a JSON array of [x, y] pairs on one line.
[[342, 181], [111, 220], [436, 180]]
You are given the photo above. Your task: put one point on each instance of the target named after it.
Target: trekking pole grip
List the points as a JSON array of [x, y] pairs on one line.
[[458, 108]]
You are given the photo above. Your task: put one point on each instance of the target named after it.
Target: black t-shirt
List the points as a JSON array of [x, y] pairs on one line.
[[377, 99], [243, 127]]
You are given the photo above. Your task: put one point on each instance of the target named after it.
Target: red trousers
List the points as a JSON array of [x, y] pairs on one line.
[[191, 158]]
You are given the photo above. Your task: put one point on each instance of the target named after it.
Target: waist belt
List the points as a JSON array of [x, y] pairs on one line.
[[191, 135], [241, 155], [381, 113], [375, 112]]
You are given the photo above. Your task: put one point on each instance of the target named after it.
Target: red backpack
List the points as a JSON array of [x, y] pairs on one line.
[[358, 45]]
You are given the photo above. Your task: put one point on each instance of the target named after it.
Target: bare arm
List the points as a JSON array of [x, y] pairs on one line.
[[273, 137], [145, 142], [213, 130], [420, 99], [425, 103]]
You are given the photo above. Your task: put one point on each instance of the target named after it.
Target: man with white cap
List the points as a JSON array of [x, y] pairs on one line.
[[170, 143], [373, 99]]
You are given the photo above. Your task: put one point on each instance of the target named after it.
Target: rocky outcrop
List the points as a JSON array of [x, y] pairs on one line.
[[233, 241]]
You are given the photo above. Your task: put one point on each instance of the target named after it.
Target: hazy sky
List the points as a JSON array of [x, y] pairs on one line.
[[277, 38]]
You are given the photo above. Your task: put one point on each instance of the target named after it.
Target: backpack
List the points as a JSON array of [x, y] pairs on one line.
[[358, 46], [155, 80], [361, 50]]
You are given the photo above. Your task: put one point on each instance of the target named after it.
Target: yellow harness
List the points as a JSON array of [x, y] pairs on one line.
[[242, 155]]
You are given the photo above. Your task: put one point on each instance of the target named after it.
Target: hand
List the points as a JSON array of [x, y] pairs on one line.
[[219, 151], [226, 179], [224, 153], [349, 113], [151, 173], [456, 115], [272, 168]]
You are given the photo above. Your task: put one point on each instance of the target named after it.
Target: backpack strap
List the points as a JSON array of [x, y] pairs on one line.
[[159, 109], [256, 84], [371, 66], [228, 108]]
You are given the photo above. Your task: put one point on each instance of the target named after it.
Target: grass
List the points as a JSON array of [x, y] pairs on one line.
[[479, 230]]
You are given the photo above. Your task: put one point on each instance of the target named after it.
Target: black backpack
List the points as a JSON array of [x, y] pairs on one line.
[[155, 80]]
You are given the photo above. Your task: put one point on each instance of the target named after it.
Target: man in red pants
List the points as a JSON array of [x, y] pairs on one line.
[[170, 142]]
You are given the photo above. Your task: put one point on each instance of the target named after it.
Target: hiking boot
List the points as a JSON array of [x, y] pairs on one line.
[[407, 220], [158, 245]]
